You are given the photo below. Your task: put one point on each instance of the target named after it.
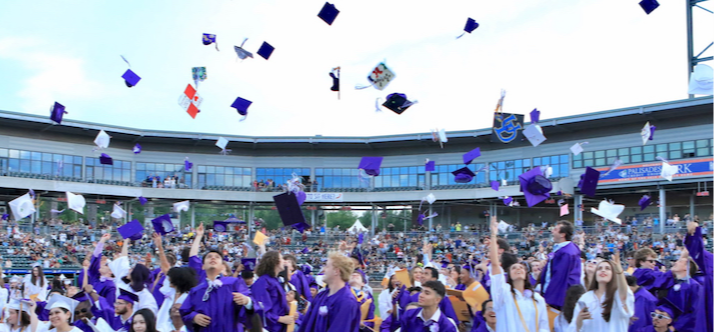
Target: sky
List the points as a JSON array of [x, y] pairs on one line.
[[563, 57]]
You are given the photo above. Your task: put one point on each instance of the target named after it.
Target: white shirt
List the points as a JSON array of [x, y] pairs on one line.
[[620, 315], [384, 302], [163, 319], [508, 319], [120, 269]]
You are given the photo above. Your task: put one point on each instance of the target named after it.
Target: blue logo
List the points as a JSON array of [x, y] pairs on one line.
[[509, 128]]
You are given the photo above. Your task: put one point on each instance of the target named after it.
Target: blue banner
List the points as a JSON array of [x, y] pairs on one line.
[[651, 171]]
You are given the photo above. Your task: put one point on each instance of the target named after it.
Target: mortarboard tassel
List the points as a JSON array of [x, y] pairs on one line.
[[125, 60], [335, 74]]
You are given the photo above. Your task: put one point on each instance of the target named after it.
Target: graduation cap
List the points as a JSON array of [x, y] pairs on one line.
[[609, 211], [266, 50], [118, 212], [289, 211], [471, 155], [535, 186], [130, 78], [614, 166], [429, 198], [429, 166], [102, 139], [576, 149], [131, 230], [208, 39], [188, 164], [22, 207], [398, 103], [701, 80], [105, 159], [644, 202], [17, 304], [75, 202], [371, 165], [535, 116], [534, 134], [127, 296], [306, 268], [57, 112], [241, 52], [665, 305], [222, 143], [137, 149], [181, 206], [220, 226], [241, 105], [335, 75], [463, 175], [647, 133], [81, 296], [162, 224], [495, 185], [649, 5], [667, 171], [61, 301], [5, 216], [249, 264], [470, 26], [328, 13], [589, 182], [566, 186], [142, 200]]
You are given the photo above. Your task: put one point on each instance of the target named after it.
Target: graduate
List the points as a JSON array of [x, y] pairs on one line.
[[646, 270], [357, 282], [18, 318], [35, 284], [644, 305], [98, 273], [174, 288], [488, 317], [563, 269], [123, 310], [564, 319], [61, 315], [270, 295], [428, 317], [682, 291], [298, 278], [133, 280], [392, 322], [143, 321], [335, 309], [217, 304], [87, 316], [704, 260], [385, 298]]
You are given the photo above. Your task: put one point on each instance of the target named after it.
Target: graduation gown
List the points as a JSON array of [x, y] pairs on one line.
[[645, 303], [478, 323], [684, 294], [390, 324], [106, 311], [225, 314], [364, 297], [198, 266], [120, 269], [157, 280], [704, 260], [412, 321], [301, 284], [565, 270], [646, 277], [339, 312], [445, 306], [270, 302], [106, 289]]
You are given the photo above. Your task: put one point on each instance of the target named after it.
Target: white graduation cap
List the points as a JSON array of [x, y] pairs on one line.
[[17, 304], [566, 186], [701, 80], [547, 170], [181, 206], [102, 140], [75, 202], [118, 212], [609, 211], [221, 143], [429, 198], [503, 226], [577, 148], [503, 182], [645, 133], [61, 301], [534, 134], [667, 171], [22, 207], [439, 136]]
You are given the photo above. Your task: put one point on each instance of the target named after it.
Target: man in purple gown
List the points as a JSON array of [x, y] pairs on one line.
[[428, 317], [98, 273], [644, 305], [336, 308], [704, 260], [298, 279], [646, 271], [563, 269]]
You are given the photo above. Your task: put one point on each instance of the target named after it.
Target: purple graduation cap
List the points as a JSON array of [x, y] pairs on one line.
[[665, 305], [188, 164], [162, 224], [507, 201], [535, 116], [420, 219], [105, 159], [335, 75], [397, 102], [289, 211], [5, 216], [429, 166], [131, 230], [307, 269], [371, 165], [57, 112], [130, 78], [652, 131], [361, 238], [305, 250], [589, 182], [471, 155], [471, 25], [142, 200], [444, 263], [535, 186], [81, 296], [649, 5], [241, 105], [328, 13], [644, 202], [249, 264], [266, 50], [137, 149], [208, 39], [495, 185], [220, 226], [127, 296], [463, 175]]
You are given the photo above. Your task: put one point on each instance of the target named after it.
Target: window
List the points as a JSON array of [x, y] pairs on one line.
[[407, 176], [224, 176], [343, 178], [559, 165], [443, 174], [147, 172], [40, 163], [647, 153], [120, 171]]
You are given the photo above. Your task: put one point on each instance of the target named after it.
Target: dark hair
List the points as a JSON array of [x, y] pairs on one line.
[[185, 252], [632, 281], [245, 274], [583, 255], [140, 275], [433, 272], [268, 264], [527, 282], [572, 295], [642, 255], [40, 275], [69, 320], [503, 244], [203, 259], [611, 288], [293, 261], [23, 318], [507, 260], [457, 269], [149, 320], [484, 307], [183, 278], [566, 228], [436, 286]]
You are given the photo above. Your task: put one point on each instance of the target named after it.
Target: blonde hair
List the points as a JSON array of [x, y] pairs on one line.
[[343, 263]]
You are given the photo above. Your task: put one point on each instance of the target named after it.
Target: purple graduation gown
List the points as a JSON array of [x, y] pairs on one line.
[[411, 322], [155, 287], [646, 277], [645, 303], [565, 272], [270, 302], [390, 324], [300, 282], [225, 314], [104, 287], [339, 312], [106, 311], [445, 306], [198, 266], [686, 298], [371, 312], [704, 260], [478, 323]]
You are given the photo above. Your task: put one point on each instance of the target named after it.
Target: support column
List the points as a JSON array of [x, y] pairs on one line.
[[692, 206], [193, 217], [249, 223], [373, 221], [577, 213], [312, 218], [661, 210]]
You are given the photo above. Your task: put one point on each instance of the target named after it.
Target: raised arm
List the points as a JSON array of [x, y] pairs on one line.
[[493, 248], [620, 277], [197, 241], [165, 266], [125, 248]]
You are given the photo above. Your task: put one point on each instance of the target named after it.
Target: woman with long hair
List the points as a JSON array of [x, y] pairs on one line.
[[517, 306], [18, 317], [36, 284], [143, 321], [268, 291], [385, 298], [416, 276], [589, 271], [61, 315], [608, 304], [561, 324]]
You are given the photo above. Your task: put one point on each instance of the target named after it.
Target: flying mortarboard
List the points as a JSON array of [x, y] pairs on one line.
[[266, 50], [379, 77], [102, 139], [131, 230], [222, 143], [241, 52], [470, 26], [647, 133], [241, 105], [495, 185], [471, 155], [609, 211], [463, 175], [371, 165], [577, 148], [118, 212], [182, 206], [162, 224], [128, 296], [61, 301], [614, 166], [137, 149], [208, 39], [142, 200], [188, 164], [667, 171], [190, 101], [198, 74], [701, 80], [566, 186], [289, 210], [535, 186], [335, 75], [644, 202], [328, 13], [22, 207], [589, 182], [130, 78], [5, 216], [398, 103], [429, 198], [75, 202], [649, 5], [535, 116], [105, 159], [57, 112], [249, 264], [534, 134], [429, 166]]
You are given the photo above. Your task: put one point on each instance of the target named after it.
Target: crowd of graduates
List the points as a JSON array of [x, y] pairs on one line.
[[196, 288]]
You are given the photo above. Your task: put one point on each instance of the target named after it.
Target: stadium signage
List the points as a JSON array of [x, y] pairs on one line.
[[651, 171], [324, 197]]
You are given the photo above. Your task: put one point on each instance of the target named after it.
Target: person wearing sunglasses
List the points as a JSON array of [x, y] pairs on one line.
[[662, 318], [646, 271]]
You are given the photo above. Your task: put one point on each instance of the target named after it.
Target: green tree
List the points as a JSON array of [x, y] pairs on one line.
[[384, 218], [341, 218]]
